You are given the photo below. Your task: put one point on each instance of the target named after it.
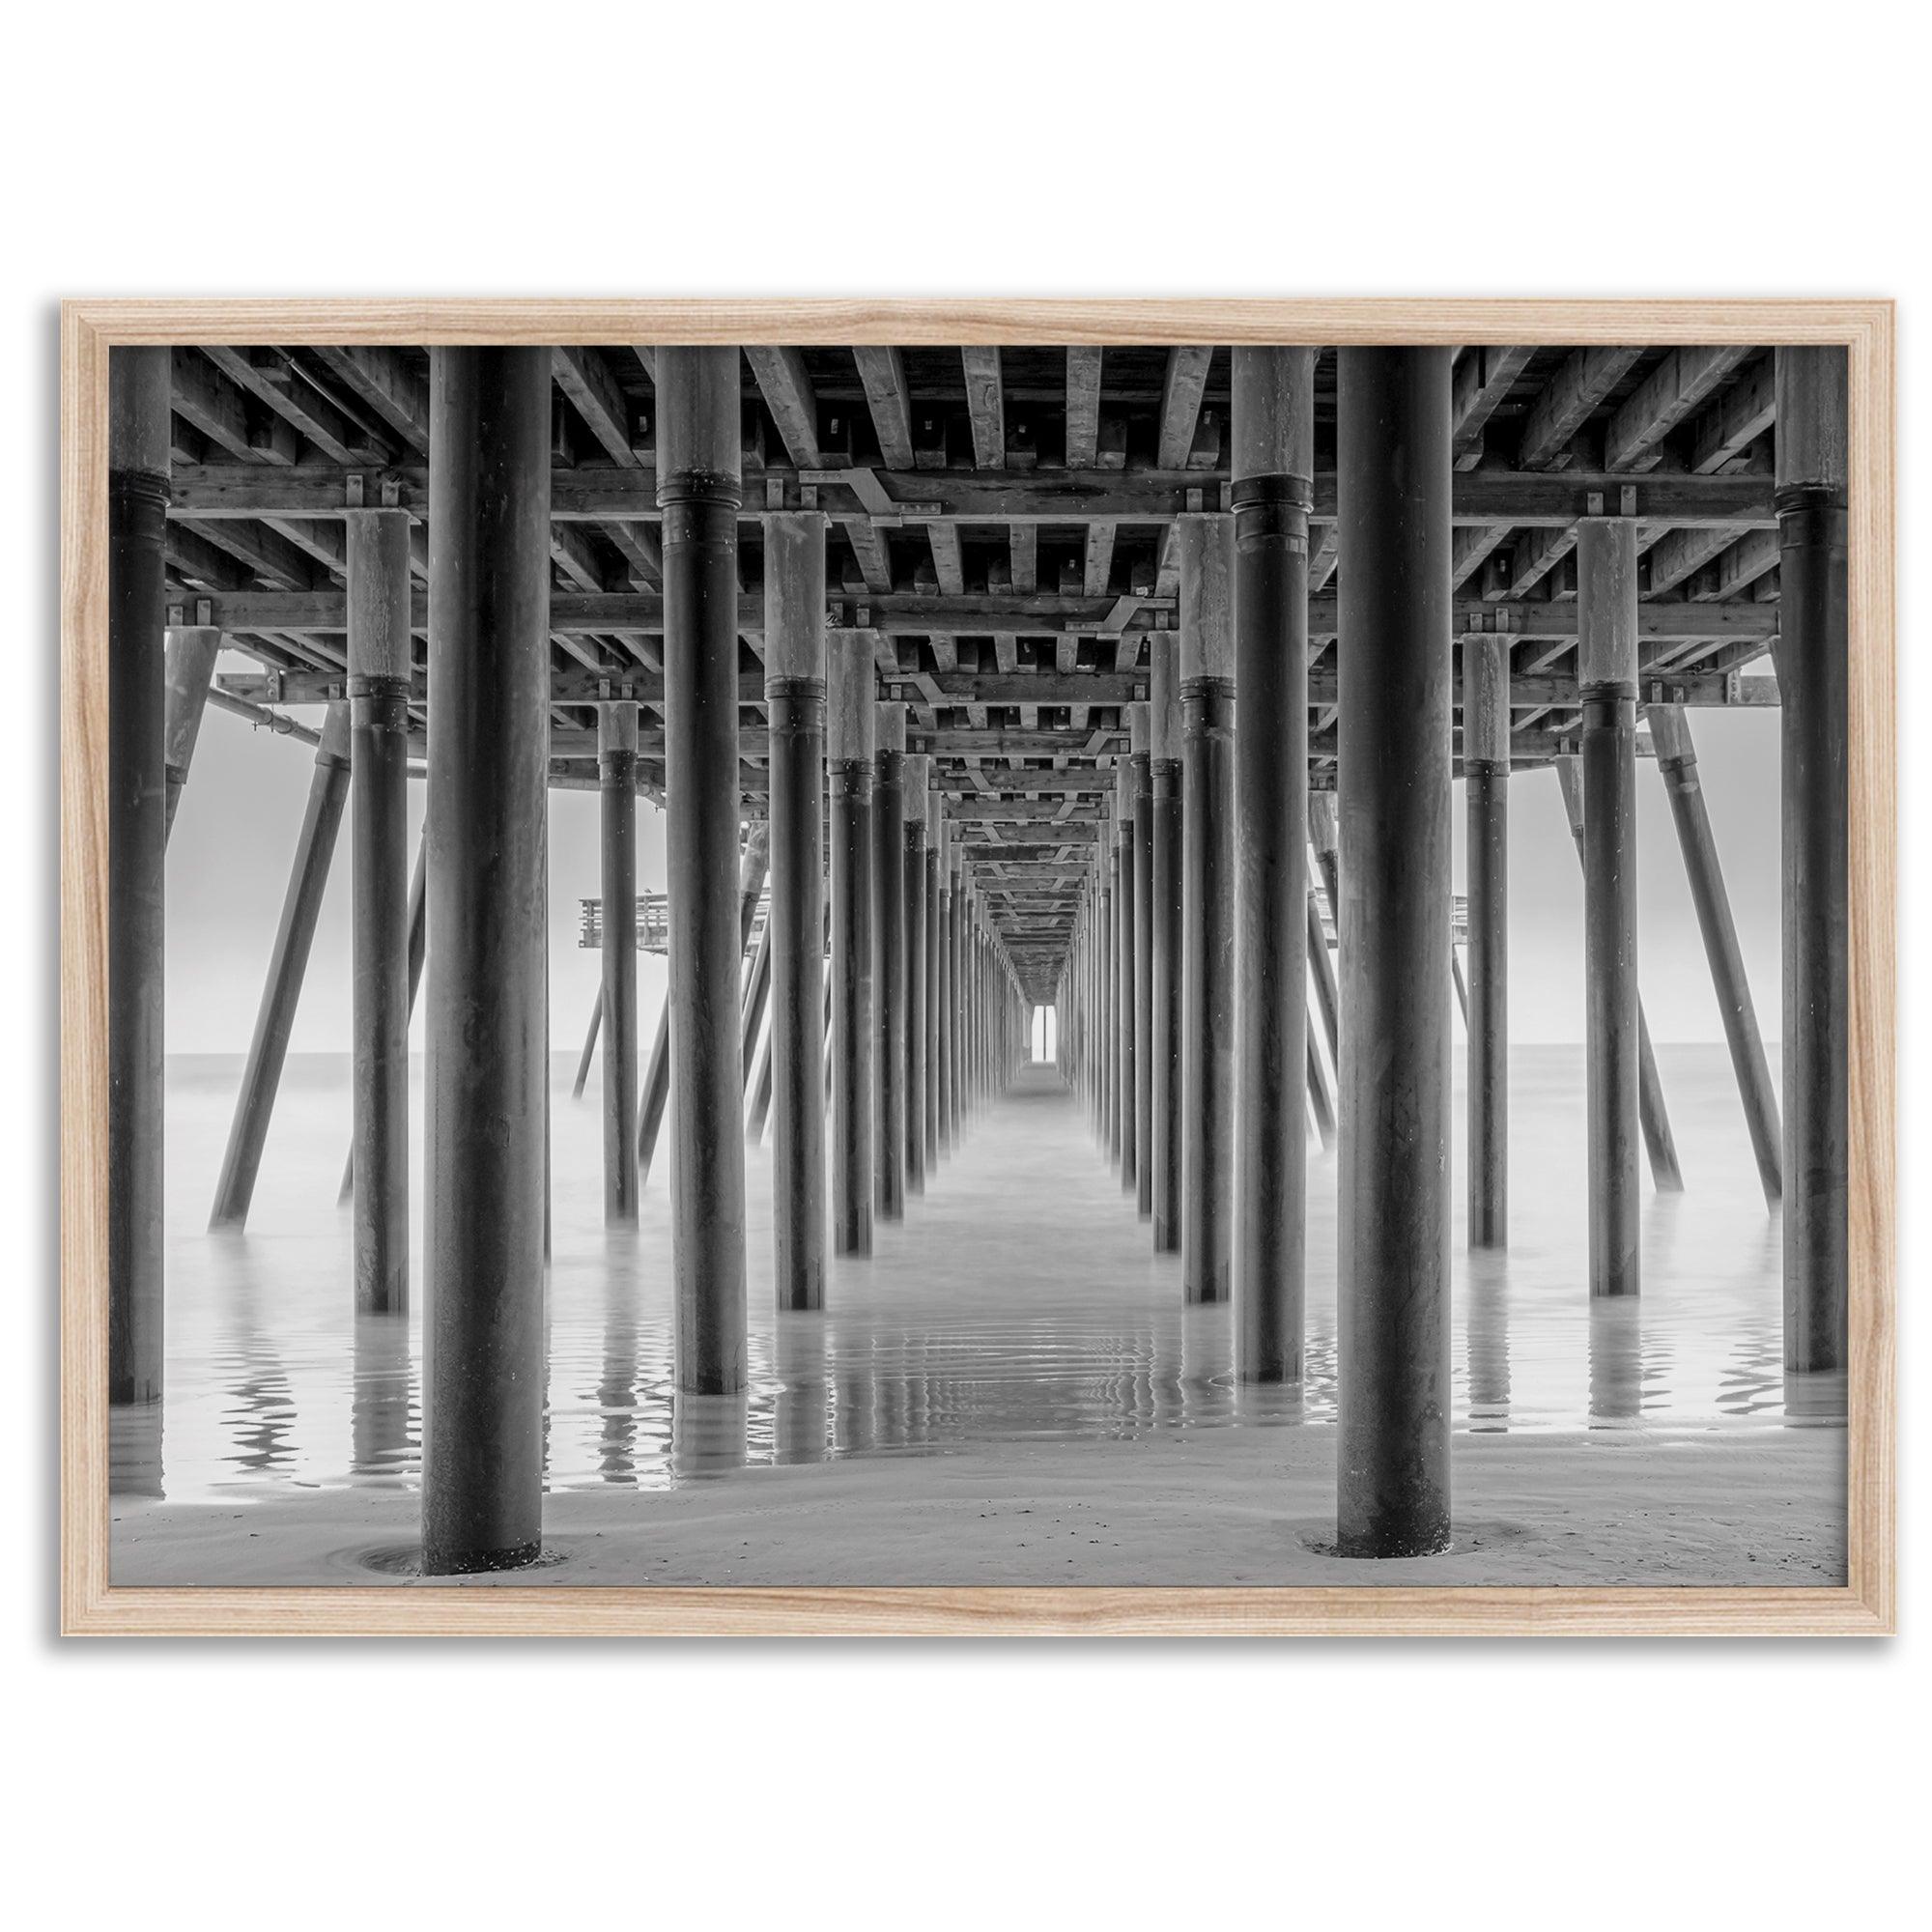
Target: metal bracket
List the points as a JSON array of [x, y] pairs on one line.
[[352, 490], [877, 502]]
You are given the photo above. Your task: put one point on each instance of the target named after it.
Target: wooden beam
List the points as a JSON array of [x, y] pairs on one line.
[[1100, 562], [1180, 403], [1665, 398], [948, 565], [225, 414], [269, 376], [596, 493], [570, 550], [882, 370], [1082, 405], [384, 379], [1483, 378], [1752, 557], [985, 406], [642, 551], [868, 548], [904, 613], [586, 378], [1584, 379], [1023, 549], [1536, 556], [272, 558], [1735, 420], [788, 392], [1469, 548], [1682, 554]]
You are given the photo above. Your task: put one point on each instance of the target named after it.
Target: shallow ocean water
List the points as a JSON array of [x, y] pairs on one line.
[[1019, 1300]]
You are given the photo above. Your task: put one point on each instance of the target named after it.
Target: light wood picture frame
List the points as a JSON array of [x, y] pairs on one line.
[[93, 1606]]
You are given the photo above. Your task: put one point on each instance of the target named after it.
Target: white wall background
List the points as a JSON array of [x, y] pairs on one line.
[[991, 148]]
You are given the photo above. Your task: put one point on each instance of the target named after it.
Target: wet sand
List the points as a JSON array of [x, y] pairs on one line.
[[1007, 1392], [1231, 1507]]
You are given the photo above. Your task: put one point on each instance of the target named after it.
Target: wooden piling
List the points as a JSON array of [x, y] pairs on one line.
[[378, 747], [288, 964], [1126, 806], [1207, 914], [191, 653], [590, 1038], [617, 813], [795, 698], [699, 491], [417, 924], [944, 873], [889, 971], [1485, 766], [1143, 973], [1166, 808], [1108, 984], [1677, 765], [754, 1001], [1606, 659], [934, 869], [489, 665], [955, 964], [852, 748], [1653, 1114], [138, 436], [917, 788], [654, 1095], [1393, 498], [1273, 485], [1813, 672]]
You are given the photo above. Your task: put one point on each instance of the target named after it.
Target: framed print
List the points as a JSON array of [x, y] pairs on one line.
[[991, 966]]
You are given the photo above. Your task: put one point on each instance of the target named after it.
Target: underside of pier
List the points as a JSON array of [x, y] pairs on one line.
[[1124, 682]]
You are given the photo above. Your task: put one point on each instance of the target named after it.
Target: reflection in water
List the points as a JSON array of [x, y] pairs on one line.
[[615, 1397], [1207, 1365], [1616, 1367], [707, 1434], [263, 1412], [801, 1417], [134, 1450], [1486, 1320], [1019, 1303], [384, 1443], [1815, 1400]]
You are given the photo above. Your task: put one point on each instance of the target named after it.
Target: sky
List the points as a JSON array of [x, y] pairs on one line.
[[234, 834]]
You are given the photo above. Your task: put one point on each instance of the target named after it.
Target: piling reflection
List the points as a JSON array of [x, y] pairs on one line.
[[135, 1433], [1022, 1304], [708, 1435], [802, 1412], [1270, 1405], [1813, 1401], [261, 1411], [1616, 1365], [382, 1422], [617, 1391], [1207, 1365], [1487, 1341]]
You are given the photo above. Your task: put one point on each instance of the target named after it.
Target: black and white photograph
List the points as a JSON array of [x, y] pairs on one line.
[[964, 966], [996, 963]]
